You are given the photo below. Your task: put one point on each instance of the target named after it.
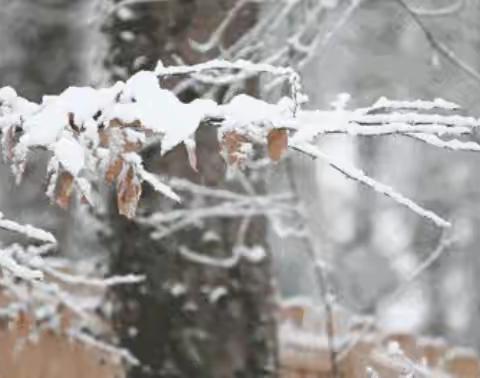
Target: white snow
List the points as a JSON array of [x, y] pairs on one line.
[[244, 111], [153, 180], [178, 289], [160, 110], [69, 124], [70, 154], [27, 230], [217, 293]]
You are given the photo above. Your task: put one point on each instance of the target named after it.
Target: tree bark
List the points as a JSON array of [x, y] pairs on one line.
[[189, 319]]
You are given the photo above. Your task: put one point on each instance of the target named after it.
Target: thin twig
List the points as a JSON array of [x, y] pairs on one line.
[[322, 280], [444, 244], [439, 46], [357, 175]]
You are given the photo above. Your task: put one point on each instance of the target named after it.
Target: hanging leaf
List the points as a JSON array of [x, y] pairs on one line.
[[128, 193], [277, 143], [9, 141], [114, 170], [85, 190], [232, 145], [19, 162], [64, 189]]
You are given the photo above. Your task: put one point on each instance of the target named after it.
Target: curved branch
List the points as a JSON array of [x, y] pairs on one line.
[[439, 46], [444, 11]]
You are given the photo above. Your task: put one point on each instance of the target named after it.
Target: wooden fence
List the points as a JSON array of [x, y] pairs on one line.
[[362, 350], [49, 355]]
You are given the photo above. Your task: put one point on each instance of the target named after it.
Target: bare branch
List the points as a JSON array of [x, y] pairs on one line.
[[357, 175], [439, 46]]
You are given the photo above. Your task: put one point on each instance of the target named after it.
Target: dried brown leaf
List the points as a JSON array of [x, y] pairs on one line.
[[232, 143], [129, 190], [114, 170], [9, 141], [277, 143], [64, 189]]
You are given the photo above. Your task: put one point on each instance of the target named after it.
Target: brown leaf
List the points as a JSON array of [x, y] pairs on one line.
[[114, 170], [232, 143], [128, 193], [131, 146], [64, 189], [277, 143], [115, 123], [9, 142]]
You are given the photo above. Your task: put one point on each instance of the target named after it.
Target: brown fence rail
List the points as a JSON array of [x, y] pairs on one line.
[[363, 351], [49, 355]]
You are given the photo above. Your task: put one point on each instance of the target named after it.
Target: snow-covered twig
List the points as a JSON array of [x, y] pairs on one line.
[[254, 255], [100, 283], [7, 262], [29, 231], [442, 11], [439, 46], [115, 7], [444, 244], [384, 103], [86, 128], [244, 66], [122, 354], [453, 145], [216, 36], [197, 258], [167, 223], [357, 175]]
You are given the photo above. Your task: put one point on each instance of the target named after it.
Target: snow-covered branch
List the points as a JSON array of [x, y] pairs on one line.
[[27, 230], [166, 223], [36, 286], [359, 176], [95, 134]]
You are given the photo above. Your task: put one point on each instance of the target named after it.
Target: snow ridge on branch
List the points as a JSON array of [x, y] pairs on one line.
[[99, 133]]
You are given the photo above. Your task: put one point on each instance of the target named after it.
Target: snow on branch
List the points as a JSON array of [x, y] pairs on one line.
[[29, 231], [57, 296], [453, 144], [357, 175], [10, 264], [234, 206], [245, 68], [441, 11], [121, 354], [97, 134], [36, 286]]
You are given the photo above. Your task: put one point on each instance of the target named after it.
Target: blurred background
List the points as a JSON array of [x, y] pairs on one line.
[[368, 245]]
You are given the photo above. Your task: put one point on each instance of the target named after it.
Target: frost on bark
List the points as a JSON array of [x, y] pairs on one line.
[[189, 319]]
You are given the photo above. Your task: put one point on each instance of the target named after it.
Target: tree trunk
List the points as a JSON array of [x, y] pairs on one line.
[[189, 319]]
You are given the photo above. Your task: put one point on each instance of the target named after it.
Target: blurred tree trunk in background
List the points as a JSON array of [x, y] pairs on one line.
[[189, 319]]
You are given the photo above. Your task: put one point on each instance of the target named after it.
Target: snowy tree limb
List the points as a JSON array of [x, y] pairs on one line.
[[357, 175]]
